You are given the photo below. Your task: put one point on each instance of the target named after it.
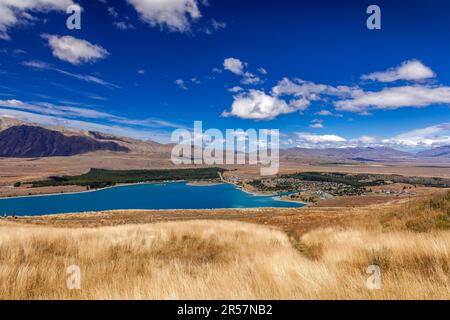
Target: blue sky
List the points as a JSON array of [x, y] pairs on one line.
[[312, 69]]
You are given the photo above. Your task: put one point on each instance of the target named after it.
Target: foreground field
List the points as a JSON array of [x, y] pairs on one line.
[[235, 260]]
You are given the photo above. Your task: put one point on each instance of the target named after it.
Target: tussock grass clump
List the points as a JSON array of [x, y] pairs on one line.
[[420, 216]]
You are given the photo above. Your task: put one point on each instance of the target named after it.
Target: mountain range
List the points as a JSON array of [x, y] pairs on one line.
[[31, 141], [23, 140]]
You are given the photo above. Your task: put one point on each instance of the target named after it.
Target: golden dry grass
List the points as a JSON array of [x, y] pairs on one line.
[[221, 260]]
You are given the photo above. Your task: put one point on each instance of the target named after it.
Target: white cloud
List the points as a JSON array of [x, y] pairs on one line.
[[424, 138], [180, 83], [262, 70], [121, 24], [395, 97], [299, 104], [298, 94], [235, 89], [317, 124], [354, 99], [141, 71], [68, 111], [234, 65], [257, 105], [50, 114], [412, 70], [56, 110], [429, 137], [324, 113], [214, 26], [175, 15], [309, 140], [114, 129], [14, 12], [73, 50], [304, 92], [310, 90], [250, 79], [37, 64], [11, 103], [195, 80], [237, 67], [88, 78], [112, 12]]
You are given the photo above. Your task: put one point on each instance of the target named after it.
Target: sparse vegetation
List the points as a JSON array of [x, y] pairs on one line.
[[312, 187], [420, 216]]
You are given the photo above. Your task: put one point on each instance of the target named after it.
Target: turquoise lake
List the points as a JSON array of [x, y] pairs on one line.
[[176, 195]]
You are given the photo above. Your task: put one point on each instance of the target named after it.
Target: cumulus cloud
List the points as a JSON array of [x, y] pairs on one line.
[[299, 104], [317, 124], [234, 65], [181, 83], [173, 15], [298, 94], [286, 97], [235, 89], [394, 98], [251, 79], [324, 113], [73, 50], [310, 90], [14, 12], [412, 70], [257, 105], [424, 138], [238, 67], [309, 140], [429, 137]]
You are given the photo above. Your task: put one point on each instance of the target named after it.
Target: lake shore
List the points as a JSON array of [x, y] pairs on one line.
[[203, 183], [173, 195], [74, 189]]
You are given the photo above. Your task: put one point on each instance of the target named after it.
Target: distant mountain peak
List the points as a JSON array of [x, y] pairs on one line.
[[360, 154], [439, 152]]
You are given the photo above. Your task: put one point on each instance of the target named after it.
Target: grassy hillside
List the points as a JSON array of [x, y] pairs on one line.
[[231, 260], [420, 216]]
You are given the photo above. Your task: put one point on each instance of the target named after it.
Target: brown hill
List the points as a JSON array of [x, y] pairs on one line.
[[25, 141]]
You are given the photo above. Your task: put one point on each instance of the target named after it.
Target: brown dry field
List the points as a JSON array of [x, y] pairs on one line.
[[292, 220], [310, 253], [13, 170], [316, 252]]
